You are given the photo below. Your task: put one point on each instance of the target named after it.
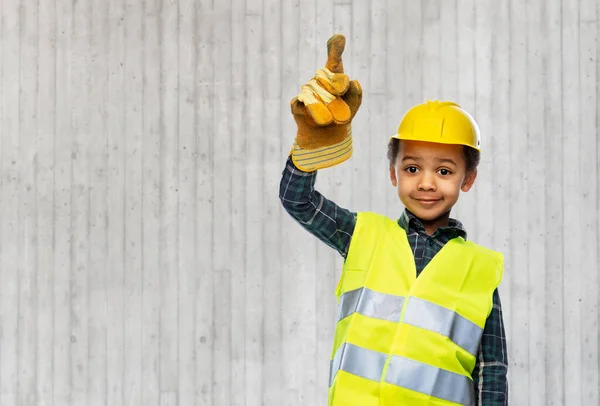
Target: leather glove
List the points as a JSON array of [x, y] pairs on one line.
[[323, 112]]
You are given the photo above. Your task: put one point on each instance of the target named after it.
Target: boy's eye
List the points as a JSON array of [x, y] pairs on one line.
[[444, 172], [412, 169]]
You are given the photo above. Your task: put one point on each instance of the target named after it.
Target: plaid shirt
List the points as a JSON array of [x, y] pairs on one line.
[[334, 226]]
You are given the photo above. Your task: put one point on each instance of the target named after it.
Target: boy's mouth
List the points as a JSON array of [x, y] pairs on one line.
[[428, 202]]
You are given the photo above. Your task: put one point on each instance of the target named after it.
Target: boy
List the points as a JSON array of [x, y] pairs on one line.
[[420, 321]]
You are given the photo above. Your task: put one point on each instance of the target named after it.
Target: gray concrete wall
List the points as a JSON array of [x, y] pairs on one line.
[[144, 256]]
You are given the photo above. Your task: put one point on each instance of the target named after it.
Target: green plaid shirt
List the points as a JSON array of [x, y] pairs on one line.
[[334, 226]]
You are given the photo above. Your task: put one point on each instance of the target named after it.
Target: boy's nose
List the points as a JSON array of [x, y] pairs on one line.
[[427, 183]]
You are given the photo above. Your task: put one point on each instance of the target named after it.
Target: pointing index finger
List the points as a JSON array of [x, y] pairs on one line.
[[335, 48]]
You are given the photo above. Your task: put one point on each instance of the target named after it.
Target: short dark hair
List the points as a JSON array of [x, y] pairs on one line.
[[472, 156]]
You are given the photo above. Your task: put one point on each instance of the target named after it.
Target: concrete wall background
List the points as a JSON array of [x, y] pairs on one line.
[[144, 256]]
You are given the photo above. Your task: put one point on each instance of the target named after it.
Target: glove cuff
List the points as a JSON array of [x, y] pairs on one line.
[[310, 160]]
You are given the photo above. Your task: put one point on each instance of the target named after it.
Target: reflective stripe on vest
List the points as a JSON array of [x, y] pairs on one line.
[[419, 313], [371, 304], [358, 361], [404, 373], [430, 316]]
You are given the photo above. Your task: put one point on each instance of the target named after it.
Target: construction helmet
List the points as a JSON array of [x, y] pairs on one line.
[[443, 122]]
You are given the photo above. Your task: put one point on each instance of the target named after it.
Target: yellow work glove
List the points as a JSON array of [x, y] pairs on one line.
[[323, 112]]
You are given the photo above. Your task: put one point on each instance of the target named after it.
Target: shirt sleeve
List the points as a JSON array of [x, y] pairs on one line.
[[491, 368], [321, 217]]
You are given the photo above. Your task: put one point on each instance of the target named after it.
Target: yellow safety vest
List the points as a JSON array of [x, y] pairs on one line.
[[403, 340]]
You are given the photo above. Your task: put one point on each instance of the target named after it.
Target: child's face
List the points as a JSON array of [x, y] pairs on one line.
[[429, 177]]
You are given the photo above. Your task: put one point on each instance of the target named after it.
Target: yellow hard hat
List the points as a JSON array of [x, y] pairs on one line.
[[443, 122]]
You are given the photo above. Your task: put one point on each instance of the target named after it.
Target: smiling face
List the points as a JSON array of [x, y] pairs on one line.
[[428, 178]]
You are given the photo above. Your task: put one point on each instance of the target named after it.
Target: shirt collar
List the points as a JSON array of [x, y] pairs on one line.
[[410, 222]]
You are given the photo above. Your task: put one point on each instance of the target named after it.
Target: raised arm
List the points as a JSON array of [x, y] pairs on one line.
[[323, 111], [321, 217]]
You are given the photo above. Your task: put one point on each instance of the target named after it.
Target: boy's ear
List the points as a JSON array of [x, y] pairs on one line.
[[469, 181], [393, 175]]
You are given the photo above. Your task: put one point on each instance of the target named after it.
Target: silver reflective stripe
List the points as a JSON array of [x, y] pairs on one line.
[[403, 372], [357, 361], [371, 304], [433, 317], [419, 313], [430, 380]]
